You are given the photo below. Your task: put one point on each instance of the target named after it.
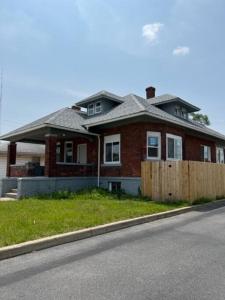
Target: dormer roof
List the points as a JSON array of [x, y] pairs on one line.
[[99, 95]]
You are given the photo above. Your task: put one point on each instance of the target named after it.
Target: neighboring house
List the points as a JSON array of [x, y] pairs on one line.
[[103, 139], [26, 153]]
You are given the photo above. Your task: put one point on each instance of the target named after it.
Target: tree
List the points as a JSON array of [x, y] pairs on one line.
[[200, 118]]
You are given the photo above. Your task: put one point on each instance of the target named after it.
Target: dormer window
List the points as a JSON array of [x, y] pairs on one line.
[[90, 109], [94, 108], [98, 107], [177, 110], [184, 113]]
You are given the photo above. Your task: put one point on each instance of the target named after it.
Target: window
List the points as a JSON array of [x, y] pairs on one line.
[[82, 153], [58, 152], [114, 186], [153, 145], [177, 110], [184, 113], [205, 153], [91, 109], [98, 107], [173, 147], [112, 149], [68, 157], [220, 155]]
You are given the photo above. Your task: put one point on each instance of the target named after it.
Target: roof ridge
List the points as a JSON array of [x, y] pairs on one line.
[[137, 101]]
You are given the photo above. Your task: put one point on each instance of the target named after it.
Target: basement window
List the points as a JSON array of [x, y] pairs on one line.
[[114, 186]]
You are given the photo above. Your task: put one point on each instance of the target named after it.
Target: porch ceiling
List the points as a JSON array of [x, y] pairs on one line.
[[38, 136]]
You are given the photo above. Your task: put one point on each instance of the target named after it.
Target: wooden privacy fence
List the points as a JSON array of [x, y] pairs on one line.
[[182, 180]]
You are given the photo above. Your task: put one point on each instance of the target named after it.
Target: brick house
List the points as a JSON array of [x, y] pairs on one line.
[[102, 140]]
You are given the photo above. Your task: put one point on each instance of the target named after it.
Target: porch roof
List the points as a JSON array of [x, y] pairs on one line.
[[65, 119]]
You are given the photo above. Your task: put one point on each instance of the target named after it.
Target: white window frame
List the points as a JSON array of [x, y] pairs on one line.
[[98, 112], [58, 146], [65, 147], [158, 135], [218, 149], [115, 138], [210, 154], [91, 109], [175, 137]]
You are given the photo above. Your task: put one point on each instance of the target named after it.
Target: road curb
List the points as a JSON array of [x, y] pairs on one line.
[[55, 240]]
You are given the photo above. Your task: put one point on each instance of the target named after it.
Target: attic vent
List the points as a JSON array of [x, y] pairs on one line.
[[150, 92]]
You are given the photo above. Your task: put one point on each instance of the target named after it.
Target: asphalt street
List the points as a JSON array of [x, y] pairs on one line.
[[182, 257]]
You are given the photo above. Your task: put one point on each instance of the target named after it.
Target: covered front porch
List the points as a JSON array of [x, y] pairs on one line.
[[68, 153]]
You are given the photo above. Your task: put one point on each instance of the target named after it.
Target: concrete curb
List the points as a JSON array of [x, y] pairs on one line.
[[30, 246]]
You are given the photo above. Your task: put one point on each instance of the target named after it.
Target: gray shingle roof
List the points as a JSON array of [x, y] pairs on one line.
[[135, 105], [65, 118], [167, 98], [100, 94], [130, 106]]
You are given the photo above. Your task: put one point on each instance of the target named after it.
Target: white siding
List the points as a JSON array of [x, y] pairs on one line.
[[20, 160]]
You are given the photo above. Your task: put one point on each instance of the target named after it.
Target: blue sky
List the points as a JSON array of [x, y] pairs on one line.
[[54, 53]]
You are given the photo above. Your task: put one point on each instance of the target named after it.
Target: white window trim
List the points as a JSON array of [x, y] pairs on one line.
[[154, 134], [67, 142], [210, 153], [112, 139], [88, 109], [98, 112], [58, 144], [220, 148], [172, 136]]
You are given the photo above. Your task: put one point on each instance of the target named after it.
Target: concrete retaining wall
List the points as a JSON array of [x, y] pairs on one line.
[[48, 185], [6, 184]]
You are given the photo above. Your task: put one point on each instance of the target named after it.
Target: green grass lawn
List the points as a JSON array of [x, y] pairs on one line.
[[33, 218]]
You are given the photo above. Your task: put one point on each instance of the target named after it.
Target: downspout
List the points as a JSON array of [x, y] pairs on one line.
[[99, 146]]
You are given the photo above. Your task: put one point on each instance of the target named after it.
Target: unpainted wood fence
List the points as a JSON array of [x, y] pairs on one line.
[[182, 180]]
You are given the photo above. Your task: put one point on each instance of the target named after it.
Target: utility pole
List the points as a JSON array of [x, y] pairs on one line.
[[1, 96]]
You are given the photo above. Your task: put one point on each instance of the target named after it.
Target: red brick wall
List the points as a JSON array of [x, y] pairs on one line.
[[133, 147], [82, 170]]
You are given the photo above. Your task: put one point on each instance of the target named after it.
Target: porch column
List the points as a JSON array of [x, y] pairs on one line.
[[50, 155], [11, 157]]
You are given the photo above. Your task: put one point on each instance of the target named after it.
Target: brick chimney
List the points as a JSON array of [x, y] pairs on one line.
[[77, 108], [150, 92]]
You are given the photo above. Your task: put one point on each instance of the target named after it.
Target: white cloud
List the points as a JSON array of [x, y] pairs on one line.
[[181, 51], [150, 31]]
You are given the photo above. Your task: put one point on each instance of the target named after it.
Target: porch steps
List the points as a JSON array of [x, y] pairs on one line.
[[12, 194]]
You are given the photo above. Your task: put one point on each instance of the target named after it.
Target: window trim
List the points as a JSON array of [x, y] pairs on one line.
[[98, 112], [115, 138], [58, 144], [210, 152], [177, 137], [88, 109], [154, 134], [220, 148], [68, 142]]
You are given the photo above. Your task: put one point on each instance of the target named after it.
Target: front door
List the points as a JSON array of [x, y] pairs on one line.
[[82, 153]]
